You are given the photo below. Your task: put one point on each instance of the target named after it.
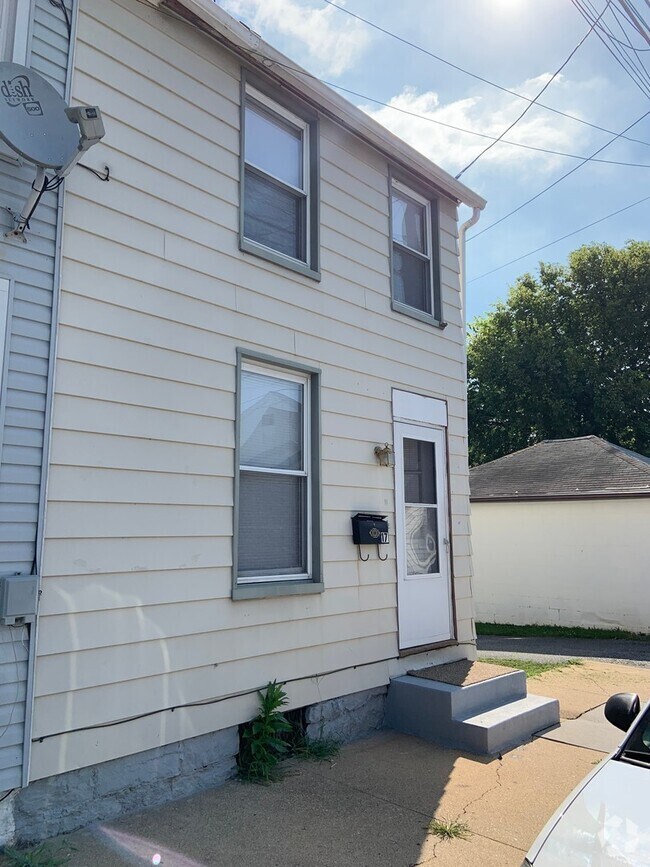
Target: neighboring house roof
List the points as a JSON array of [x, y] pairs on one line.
[[212, 19], [561, 469]]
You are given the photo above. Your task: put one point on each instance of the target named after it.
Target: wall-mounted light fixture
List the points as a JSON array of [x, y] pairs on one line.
[[385, 455]]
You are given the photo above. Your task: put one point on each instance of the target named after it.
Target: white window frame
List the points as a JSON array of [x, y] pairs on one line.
[[253, 97], [306, 472], [430, 256], [15, 44]]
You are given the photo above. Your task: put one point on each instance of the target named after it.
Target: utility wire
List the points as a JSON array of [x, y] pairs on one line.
[[623, 60], [560, 179], [531, 104], [475, 75], [557, 240], [268, 62]]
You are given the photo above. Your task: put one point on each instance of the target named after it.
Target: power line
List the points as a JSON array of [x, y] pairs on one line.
[[560, 179], [531, 104], [475, 75], [557, 240], [639, 77], [268, 61]]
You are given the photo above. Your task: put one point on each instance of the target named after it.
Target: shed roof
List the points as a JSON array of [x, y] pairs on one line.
[[567, 468]]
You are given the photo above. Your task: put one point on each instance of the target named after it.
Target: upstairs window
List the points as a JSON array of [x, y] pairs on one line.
[[14, 30], [415, 272], [279, 183]]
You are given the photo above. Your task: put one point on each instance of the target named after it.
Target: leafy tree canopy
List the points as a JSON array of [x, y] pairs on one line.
[[568, 354]]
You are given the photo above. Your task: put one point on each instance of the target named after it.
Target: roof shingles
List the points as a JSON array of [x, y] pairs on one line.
[[580, 467]]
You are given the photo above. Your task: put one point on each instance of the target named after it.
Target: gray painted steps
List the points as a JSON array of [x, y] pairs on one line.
[[485, 718]]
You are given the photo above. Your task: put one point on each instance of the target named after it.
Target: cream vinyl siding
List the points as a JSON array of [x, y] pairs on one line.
[[136, 612]]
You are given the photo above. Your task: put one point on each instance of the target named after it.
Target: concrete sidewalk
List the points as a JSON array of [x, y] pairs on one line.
[[373, 805]]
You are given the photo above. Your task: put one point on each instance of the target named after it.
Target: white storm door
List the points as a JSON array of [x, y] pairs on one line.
[[422, 527]]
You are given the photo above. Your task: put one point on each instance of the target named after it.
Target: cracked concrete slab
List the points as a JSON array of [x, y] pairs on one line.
[[591, 730], [371, 806], [581, 688]]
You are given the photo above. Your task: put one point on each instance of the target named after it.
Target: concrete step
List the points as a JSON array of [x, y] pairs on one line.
[[508, 725], [484, 717]]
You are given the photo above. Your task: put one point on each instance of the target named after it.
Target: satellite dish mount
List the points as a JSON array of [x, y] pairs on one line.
[[38, 125]]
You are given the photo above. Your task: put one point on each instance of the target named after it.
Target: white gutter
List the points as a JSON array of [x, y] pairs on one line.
[[235, 36], [462, 232]]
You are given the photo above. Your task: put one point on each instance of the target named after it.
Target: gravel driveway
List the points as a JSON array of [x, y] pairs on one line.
[[553, 649]]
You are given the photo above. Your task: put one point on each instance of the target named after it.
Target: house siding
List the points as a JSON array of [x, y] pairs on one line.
[[136, 612], [31, 267]]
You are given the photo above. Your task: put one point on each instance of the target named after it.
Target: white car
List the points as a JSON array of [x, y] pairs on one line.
[[605, 821]]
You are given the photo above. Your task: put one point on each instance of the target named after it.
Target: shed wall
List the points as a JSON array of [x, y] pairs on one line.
[[578, 563]]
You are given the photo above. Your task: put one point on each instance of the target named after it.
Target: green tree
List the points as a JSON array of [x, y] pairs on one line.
[[568, 354]]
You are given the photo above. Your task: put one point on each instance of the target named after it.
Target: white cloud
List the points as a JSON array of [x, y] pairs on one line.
[[490, 113], [333, 40]]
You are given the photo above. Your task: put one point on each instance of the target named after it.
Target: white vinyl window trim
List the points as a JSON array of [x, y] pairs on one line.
[[15, 16], [426, 256], [254, 96], [305, 472]]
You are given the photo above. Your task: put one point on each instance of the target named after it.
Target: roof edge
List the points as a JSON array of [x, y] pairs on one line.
[[248, 43], [596, 495]]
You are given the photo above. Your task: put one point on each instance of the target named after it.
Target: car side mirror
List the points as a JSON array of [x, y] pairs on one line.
[[622, 709]]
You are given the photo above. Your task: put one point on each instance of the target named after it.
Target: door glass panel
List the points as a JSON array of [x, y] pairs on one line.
[[419, 472], [421, 540]]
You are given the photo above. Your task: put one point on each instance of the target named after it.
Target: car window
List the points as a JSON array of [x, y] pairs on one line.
[[637, 748]]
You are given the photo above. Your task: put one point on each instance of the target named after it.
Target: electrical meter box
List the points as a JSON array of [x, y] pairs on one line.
[[368, 529], [18, 595]]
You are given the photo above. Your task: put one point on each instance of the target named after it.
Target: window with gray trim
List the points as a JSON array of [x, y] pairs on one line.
[[415, 277], [278, 474], [279, 183]]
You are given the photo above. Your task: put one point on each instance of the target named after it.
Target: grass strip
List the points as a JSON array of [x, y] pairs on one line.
[[541, 631], [530, 666]]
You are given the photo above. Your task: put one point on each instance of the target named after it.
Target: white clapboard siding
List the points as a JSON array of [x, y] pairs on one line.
[[137, 614]]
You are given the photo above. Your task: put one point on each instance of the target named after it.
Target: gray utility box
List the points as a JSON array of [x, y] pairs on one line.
[[18, 595]]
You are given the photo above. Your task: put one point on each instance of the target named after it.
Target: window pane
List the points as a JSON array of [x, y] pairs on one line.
[[272, 524], [271, 422], [411, 280], [274, 217], [419, 472], [409, 223], [421, 541], [274, 145]]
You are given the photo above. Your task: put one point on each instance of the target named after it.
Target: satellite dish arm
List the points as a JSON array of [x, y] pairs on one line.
[[39, 186], [91, 129]]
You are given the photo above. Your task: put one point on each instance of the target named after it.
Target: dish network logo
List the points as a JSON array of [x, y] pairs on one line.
[[18, 91]]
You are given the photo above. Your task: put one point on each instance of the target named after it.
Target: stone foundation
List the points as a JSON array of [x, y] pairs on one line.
[[60, 804], [64, 803], [349, 717]]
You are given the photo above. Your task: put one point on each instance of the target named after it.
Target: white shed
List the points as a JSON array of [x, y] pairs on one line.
[[560, 536]]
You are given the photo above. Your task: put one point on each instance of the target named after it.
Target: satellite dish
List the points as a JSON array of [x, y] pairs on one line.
[[33, 119]]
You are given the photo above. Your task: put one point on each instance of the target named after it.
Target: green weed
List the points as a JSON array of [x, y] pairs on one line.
[[263, 743], [449, 829]]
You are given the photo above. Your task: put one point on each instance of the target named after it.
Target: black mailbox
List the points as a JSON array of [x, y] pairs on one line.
[[369, 529]]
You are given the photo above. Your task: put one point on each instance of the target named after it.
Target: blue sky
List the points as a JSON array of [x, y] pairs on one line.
[[518, 44]]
